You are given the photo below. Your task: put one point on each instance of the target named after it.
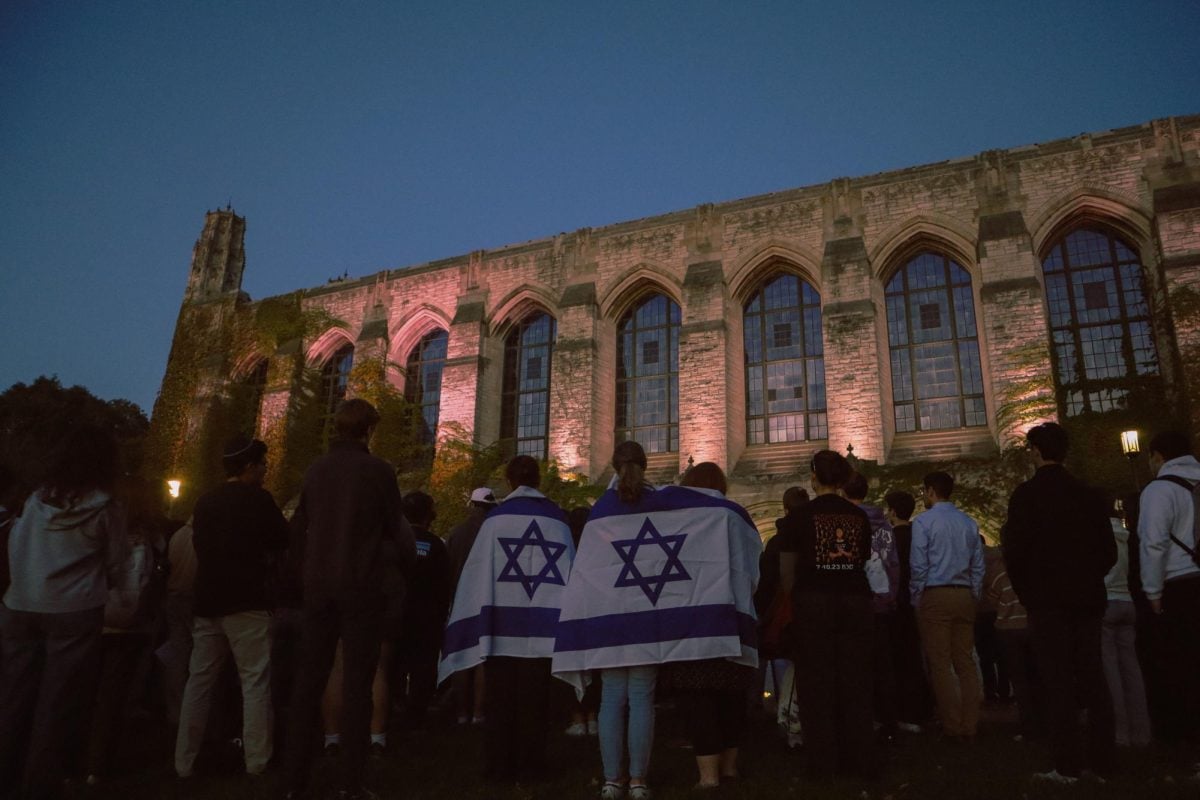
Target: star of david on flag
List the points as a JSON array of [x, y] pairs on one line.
[[513, 547], [652, 585]]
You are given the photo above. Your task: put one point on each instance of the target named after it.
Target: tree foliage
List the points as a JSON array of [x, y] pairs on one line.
[[35, 417]]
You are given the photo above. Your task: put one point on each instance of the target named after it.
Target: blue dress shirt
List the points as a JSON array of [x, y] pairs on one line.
[[946, 551]]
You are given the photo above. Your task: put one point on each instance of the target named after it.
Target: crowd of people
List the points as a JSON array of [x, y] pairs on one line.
[[866, 623]]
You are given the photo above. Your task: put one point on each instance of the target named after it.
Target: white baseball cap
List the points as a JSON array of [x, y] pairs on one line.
[[483, 495]]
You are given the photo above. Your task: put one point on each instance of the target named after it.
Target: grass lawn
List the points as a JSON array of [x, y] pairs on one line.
[[443, 763]]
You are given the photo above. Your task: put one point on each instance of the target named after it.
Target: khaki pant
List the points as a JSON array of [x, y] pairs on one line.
[[946, 619], [248, 635]]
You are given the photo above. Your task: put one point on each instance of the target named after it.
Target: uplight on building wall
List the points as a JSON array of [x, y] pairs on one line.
[[1129, 443], [173, 488]]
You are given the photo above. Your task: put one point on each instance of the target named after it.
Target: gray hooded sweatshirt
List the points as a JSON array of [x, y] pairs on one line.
[[63, 559]]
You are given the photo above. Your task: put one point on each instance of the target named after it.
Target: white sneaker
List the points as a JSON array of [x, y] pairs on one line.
[[593, 728], [612, 791], [908, 727], [576, 729], [1054, 776]]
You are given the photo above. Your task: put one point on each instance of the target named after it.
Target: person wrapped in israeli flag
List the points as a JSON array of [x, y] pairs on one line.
[[668, 578], [510, 592]]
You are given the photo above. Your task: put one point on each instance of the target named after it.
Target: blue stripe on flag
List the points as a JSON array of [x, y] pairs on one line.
[[500, 621], [656, 625], [530, 507], [668, 498]]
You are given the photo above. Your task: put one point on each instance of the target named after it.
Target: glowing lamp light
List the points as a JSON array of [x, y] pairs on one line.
[[173, 488], [1129, 443]]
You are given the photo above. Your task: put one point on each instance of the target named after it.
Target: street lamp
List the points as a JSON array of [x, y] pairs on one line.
[[1130, 447], [173, 486]]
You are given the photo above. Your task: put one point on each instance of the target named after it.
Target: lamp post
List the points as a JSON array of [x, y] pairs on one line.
[[173, 486], [1130, 447]]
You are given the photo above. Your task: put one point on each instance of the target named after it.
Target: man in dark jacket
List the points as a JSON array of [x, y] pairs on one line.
[[235, 525], [426, 601], [1058, 545], [353, 536]]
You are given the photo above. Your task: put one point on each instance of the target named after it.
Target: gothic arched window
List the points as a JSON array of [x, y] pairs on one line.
[[1100, 328], [648, 375], [937, 382], [785, 363], [525, 405], [254, 385], [423, 385], [335, 377]]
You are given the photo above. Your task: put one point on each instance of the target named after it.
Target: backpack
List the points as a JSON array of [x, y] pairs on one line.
[[1194, 491], [137, 595]]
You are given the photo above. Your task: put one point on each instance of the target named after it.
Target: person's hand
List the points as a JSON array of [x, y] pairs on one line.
[[1156, 605]]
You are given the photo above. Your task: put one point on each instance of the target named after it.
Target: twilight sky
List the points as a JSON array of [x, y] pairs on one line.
[[359, 136]]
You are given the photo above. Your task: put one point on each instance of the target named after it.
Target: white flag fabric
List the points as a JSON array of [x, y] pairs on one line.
[[510, 592], [671, 578]]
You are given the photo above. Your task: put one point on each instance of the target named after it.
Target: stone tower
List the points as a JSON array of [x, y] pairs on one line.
[[219, 256]]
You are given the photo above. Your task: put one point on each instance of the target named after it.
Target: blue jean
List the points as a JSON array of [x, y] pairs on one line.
[[627, 689]]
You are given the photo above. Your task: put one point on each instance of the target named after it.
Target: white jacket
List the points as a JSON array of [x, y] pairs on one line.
[[1166, 509]]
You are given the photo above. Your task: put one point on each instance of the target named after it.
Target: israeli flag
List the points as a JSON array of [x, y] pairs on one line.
[[511, 588], [671, 578]]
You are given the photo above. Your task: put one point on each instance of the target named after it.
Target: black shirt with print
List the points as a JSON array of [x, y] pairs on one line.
[[831, 540]]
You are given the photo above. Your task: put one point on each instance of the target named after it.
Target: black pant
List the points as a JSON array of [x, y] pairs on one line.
[[1181, 659], [834, 681], [119, 657], [1026, 685], [517, 694], [1067, 645], [996, 685], [358, 622], [416, 678], [886, 713], [50, 666], [914, 698], [716, 719]]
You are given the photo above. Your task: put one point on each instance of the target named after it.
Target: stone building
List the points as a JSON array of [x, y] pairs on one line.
[[923, 313]]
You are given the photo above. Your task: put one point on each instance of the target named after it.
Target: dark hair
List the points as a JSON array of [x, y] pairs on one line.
[[794, 499], [354, 418], [240, 452], [418, 508], [830, 468], [1170, 444], [142, 500], [706, 475], [576, 518], [855, 487], [942, 484], [629, 462], [1049, 439], [901, 502], [86, 461], [523, 471]]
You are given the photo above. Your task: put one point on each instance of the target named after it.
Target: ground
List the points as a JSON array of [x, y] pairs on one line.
[[443, 762]]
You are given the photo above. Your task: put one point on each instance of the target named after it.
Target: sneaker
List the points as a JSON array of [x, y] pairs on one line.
[[612, 791], [909, 727], [640, 792], [593, 728], [1054, 776], [576, 729]]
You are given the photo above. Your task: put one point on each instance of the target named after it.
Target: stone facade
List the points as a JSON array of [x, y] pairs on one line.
[[996, 214]]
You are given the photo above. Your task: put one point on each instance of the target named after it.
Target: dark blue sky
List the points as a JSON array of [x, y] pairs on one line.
[[368, 135]]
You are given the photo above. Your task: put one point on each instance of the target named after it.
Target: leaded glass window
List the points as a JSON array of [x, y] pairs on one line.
[[254, 384], [423, 384], [525, 406], [335, 378], [648, 375], [785, 363], [937, 381], [1100, 331]]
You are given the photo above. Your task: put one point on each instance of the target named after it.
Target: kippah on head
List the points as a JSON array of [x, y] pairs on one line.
[[240, 452]]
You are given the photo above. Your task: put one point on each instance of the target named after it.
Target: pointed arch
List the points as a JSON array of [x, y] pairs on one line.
[[1095, 206], [326, 345], [405, 335], [752, 267], [941, 233], [518, 304], [636, 283]]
